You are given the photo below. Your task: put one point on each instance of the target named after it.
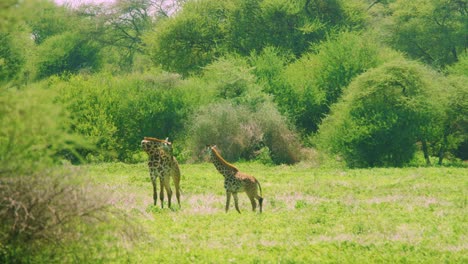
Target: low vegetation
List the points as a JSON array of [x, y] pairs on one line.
[[310, 215]]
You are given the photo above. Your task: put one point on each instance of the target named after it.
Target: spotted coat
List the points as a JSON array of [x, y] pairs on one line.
[[235, 181], [163, 165]]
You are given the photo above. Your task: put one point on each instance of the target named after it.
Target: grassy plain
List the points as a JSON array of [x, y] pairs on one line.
[[409, 215]]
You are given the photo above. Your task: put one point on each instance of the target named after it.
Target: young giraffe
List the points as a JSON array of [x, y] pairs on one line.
[[164, 165], [235, 181]]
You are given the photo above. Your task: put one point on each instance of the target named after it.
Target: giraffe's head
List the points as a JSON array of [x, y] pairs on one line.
[[208, 151], [218, 160], [153, 145]]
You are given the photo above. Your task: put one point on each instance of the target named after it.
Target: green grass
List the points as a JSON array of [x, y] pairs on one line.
[[410, 215]]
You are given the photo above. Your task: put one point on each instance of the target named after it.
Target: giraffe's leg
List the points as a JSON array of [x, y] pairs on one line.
[[161, 193], [236, 201], [228, 200], [155, 191], [177, 187], [252, 201], [167, 185], [260, 202]]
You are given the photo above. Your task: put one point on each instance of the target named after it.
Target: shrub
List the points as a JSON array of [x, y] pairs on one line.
[[383, 114], [115, 113], [239, 117], [41, 212], [66, 53], [240, 132], [33, 129], [317, 79]]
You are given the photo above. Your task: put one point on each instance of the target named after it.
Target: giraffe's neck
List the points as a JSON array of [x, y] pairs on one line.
[[156, 156], [225, 168]]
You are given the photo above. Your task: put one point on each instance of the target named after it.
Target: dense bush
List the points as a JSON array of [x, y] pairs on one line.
[[310, 85], [383, 114], [11, 57], [42, 212], [33, 129], [115, 113], [66, 53], [241, 133], [453, 135], [205, 30], [430, 31], [42, 206], [240, 119], [188, 41]]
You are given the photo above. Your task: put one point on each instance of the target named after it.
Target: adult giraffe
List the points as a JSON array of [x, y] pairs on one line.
[[163, 165]]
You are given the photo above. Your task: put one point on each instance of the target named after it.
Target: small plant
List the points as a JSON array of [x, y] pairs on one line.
[[264, 156], [301, 204], [153, 209]]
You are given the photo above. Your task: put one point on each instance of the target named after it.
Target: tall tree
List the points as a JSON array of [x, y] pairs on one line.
[[383, 114], [206, 29], [122, 25], [434, 31]]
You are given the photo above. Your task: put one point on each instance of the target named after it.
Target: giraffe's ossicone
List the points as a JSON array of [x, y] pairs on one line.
[[163, 165]]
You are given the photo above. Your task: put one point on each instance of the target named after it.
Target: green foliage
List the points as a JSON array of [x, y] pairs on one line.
[[241, 119], [383, 114], [205, 30], [433, 31], [289, 61], [188, 41], [230, 78], [11, 59], [119, 29], [316, 80], [66, 53], [460, 67], [33, 129], [455, 121], [268, 67], [115, 113], [48, 19]]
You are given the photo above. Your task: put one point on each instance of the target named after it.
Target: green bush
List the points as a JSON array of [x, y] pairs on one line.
[[317, 79], [188, 41], [460, 67], [66, 53], [33, 130], [11, 58], [453, 136], [115, 113], [238, 117], [382, 115]]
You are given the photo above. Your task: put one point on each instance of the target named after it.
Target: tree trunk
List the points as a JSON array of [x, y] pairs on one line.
[[426, 153], [442, 149]]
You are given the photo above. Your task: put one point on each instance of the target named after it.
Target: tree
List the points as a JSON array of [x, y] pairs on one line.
[[433, 31], [66, 53], [454, 127], [317, 79], [206, 30], [383, 114], [48, 19], [11, 59], [121, 26], [188, 41]]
